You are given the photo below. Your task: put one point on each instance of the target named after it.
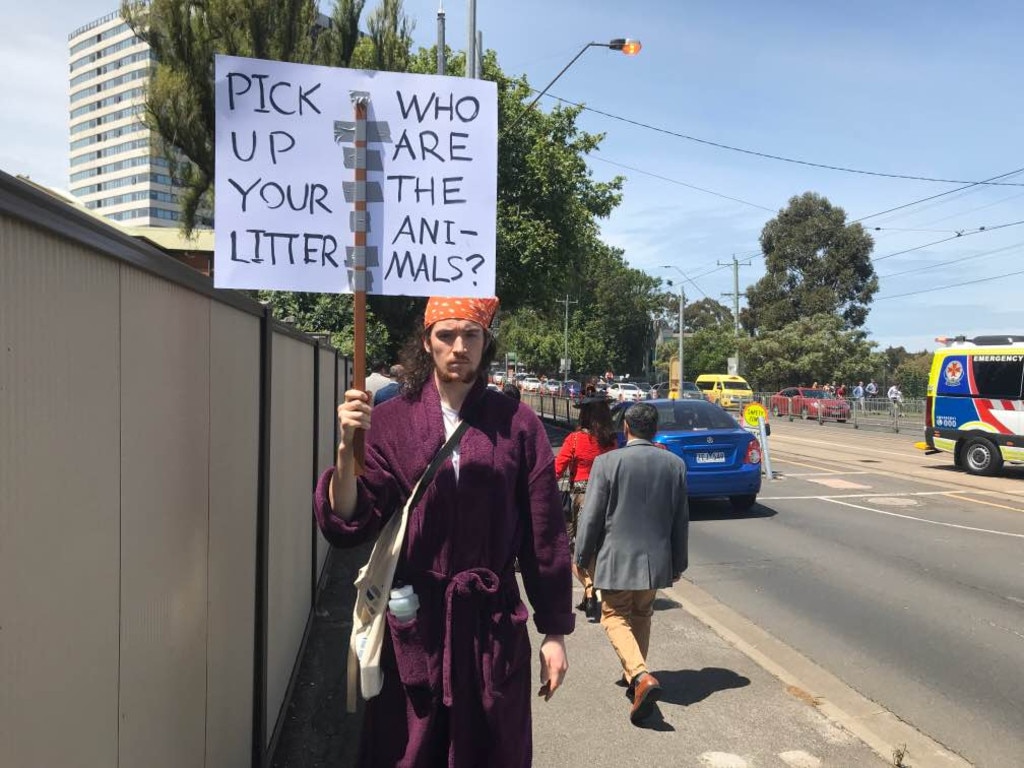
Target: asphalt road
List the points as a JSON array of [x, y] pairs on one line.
[[900, 575]]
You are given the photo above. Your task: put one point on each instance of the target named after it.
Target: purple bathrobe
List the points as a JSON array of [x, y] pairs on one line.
[[457, 678]]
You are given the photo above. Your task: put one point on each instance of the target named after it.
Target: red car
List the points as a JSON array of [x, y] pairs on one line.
[[809, 404]]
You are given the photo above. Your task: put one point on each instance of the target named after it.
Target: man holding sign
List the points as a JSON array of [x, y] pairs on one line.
[[456, 687]]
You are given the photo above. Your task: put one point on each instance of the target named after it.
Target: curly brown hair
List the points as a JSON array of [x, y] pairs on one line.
[[419, 363]]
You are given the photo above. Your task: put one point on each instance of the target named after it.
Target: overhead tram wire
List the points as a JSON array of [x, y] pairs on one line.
[[935, 197], [682, 183], [954, 261], [958, 236], [781, 158], [947, 287]]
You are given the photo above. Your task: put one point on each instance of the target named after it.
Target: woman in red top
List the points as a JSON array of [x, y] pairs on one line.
[[592, 437]]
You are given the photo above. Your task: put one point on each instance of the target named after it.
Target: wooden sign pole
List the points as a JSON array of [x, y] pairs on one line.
[[359, 275]]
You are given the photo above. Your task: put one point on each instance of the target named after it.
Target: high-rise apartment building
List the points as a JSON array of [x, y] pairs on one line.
[[117, 168]]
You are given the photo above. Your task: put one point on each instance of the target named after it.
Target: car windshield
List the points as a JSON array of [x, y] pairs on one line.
[[736, 385], [692, 415], [689, 386], [814, 394]]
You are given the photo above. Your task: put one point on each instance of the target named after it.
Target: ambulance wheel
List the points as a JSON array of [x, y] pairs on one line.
[[981, 456]]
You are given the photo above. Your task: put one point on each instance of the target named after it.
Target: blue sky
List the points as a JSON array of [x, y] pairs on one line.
[[903, 88]]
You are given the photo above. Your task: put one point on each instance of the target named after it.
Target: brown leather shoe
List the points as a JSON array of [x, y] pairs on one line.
[[646, 690]]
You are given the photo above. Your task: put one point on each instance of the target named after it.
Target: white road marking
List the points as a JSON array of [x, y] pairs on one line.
[[924, 520], [911, 450], [833, 472], [836, 482], [722, 760], [857, 495]]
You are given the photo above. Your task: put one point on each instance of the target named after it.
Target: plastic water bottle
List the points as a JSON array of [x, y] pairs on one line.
[[404, 603]]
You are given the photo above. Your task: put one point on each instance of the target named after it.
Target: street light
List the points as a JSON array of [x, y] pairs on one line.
[[682, 301], [624, 44]]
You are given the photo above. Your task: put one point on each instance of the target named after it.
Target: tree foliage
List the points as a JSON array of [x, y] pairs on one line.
[[707, 313], [184, 36], [816, 348], [815, 263]]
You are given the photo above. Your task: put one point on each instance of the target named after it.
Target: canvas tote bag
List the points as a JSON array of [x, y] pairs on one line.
[[373, 588]]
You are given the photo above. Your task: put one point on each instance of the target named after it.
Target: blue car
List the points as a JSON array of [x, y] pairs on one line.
[[722, 459]]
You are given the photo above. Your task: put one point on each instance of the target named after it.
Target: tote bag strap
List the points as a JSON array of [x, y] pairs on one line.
[[391, 550]]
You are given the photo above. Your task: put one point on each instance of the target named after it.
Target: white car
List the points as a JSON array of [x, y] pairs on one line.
[[530, 384], [624, 390], [551, 387]]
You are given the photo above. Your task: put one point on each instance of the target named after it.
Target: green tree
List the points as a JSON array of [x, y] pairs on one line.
[[815, 264], [330, 314], [389, 42], [338, 42], [912, 374], [816, 348], [184, 37], [708, 350], [707, 313]]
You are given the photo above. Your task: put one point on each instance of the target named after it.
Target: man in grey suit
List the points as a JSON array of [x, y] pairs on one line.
[[636, 520]]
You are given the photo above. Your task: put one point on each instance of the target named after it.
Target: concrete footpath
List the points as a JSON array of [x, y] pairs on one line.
[[718, 709]]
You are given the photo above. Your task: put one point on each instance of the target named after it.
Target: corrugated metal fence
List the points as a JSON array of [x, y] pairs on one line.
[[158, 444]]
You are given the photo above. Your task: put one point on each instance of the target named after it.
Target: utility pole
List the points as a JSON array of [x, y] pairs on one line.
[[565, 363], [440, 40], [471, 39], [682, 369], [735, 264]]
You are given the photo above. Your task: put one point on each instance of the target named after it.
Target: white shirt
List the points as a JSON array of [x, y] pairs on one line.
[[894, 393], [451, 423]]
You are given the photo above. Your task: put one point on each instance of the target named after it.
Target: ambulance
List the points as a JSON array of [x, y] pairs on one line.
[[975, 403]]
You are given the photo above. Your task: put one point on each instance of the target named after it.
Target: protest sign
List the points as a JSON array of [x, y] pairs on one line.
[[285, 187]]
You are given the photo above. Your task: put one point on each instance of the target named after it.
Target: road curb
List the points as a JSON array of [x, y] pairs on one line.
[[880, 729]]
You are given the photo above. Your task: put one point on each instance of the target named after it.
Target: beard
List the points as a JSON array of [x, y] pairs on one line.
[[466, 376]]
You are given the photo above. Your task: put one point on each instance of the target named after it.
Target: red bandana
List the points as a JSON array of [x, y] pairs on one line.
[[480, 311]]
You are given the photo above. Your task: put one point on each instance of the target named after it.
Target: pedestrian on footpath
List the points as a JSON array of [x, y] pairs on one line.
[[391, 389], [456, 676], [636, 521], [593, 436]]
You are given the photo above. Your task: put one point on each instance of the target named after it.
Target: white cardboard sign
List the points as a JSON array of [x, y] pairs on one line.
[[285, 183]]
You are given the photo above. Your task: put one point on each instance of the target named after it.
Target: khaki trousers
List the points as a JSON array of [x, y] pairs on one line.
[[626, 617], [585, 575]]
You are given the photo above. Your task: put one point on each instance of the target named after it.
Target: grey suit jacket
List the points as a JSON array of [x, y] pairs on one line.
[[635, 518]]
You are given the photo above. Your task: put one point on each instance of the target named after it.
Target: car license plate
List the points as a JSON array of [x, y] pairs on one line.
[[711, 457]]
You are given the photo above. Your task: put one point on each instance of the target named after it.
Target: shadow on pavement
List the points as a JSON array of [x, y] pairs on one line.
[[665, 604], [722, 510], [688, 686]]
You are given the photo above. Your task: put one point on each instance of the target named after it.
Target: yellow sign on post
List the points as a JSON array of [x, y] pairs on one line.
[[752, 412]]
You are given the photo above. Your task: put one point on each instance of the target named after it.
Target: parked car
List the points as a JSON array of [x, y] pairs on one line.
[[645, 388], [722, 459], [624, 390], [551, 387], [690, 391], [530, 384], [571, 388], [809, 404]]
